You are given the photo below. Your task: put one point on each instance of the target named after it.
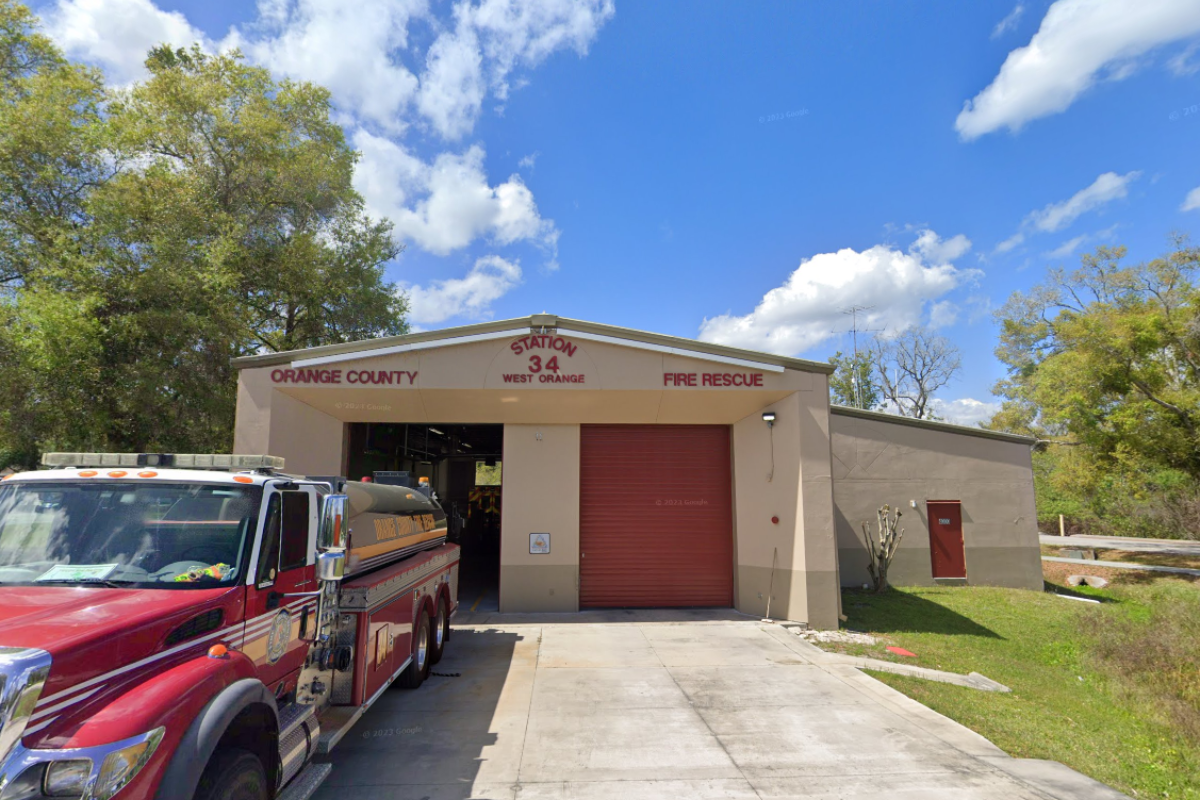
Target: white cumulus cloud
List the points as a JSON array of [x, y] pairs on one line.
[[489, 279], [446, 205], [350, 48], [489, 41], [117, 34], [964, 411], [897, 287], [1079, 42], [1192, 201], [940, 251]]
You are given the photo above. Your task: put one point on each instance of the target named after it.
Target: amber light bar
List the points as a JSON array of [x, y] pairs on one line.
[[176, 460]]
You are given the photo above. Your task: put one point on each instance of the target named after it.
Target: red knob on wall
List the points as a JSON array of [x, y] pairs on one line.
[[775, 520]]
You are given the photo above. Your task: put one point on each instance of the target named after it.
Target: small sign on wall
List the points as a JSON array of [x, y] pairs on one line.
[[539, 543]]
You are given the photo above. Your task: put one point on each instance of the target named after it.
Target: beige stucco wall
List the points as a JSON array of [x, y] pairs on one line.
[[541, 495], [876, 462], [464, 383], [798, 490], [271, 422]]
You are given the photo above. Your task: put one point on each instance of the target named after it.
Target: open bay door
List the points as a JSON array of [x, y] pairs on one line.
[[656, 516]]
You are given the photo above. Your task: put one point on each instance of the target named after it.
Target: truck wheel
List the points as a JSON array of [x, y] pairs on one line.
[[418, 668], [233, 774], [441, 633]]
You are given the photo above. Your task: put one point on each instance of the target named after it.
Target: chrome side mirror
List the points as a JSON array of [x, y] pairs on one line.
[[333, 522], [331, 566]]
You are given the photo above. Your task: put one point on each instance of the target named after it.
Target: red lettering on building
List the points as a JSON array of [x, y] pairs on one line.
[[544, 342], [682, 379], [371, 377]]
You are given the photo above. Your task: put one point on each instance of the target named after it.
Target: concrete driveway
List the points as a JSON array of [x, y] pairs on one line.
[[669, 706]]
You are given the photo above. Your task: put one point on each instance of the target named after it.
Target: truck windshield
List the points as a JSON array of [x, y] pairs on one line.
[[159, 535]]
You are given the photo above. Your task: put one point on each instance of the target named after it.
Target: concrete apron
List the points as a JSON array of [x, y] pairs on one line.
[[670, 705]]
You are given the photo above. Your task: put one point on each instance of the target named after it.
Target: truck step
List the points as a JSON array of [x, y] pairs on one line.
[[306, 783], [336, 722]]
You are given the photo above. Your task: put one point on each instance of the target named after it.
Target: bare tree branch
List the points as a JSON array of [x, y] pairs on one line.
[[912, 367]]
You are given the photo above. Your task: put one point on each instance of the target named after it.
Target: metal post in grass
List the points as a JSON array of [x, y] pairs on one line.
[[882, 547]]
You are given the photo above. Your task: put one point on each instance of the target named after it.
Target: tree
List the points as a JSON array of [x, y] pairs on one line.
[[1103, 366], [1107, 357], [912, 367], [853, 382], [881, 545], [50, 147], [150, 234]]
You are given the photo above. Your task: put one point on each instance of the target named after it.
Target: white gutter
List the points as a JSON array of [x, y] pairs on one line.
[[406, 348], [483, 337], [675, 351]]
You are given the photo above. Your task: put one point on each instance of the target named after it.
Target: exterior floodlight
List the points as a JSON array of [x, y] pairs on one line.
[[769, 418]]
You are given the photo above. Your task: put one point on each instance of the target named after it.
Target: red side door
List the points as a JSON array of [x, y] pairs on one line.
[[285, 565], [946, 538]]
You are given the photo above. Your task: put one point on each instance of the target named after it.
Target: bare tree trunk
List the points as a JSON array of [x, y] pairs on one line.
[[882, 547]]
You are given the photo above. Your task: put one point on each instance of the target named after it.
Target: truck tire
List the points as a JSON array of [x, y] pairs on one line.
[[233, 774], [440, 632], [418, 668]]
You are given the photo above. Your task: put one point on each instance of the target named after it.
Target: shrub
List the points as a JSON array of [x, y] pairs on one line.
[[1154, 655]]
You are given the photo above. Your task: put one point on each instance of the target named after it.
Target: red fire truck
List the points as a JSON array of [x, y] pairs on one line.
[[203, 626]]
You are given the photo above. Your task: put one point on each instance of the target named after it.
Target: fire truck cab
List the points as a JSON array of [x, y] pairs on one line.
[[205, 626]]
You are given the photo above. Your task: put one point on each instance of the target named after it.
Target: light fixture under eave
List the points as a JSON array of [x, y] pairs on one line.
[[464, 444], [435, 430]]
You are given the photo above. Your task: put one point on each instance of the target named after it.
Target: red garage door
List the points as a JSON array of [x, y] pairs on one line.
[[656, 516]]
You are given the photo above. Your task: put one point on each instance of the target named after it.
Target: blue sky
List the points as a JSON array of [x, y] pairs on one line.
[[731, 171]]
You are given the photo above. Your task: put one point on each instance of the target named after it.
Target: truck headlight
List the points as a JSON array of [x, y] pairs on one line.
[[120, 766], [67, 778]]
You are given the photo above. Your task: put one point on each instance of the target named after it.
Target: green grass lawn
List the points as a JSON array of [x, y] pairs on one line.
[[1112, 690]]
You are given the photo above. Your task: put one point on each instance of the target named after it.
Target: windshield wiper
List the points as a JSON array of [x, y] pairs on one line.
[[109, 582]]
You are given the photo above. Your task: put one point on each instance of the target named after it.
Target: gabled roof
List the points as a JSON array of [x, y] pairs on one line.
[[536, 323]]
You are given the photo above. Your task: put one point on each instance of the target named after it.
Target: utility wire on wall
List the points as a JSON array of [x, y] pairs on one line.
[[771, 435], [769, 418]]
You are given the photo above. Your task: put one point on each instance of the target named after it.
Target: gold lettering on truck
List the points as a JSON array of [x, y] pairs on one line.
[[388, 528]]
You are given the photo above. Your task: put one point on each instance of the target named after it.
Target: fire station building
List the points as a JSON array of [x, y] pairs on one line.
[[585, 465]]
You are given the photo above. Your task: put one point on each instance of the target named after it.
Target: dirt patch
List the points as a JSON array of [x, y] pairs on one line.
[[1056, 572], [1154, 559]]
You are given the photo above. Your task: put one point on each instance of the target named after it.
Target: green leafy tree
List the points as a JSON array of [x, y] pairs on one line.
[[1106, 357], [1103, 366], [148, 235], [854, 381], [50, 147]]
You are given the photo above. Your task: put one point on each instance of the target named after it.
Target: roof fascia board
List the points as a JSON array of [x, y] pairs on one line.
[[691, 347], [945, 427], [459, 335], [365, 346], [675, 351], [405, 348]]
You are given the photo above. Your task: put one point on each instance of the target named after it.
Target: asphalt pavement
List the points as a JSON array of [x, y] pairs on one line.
[[1180, 547]]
